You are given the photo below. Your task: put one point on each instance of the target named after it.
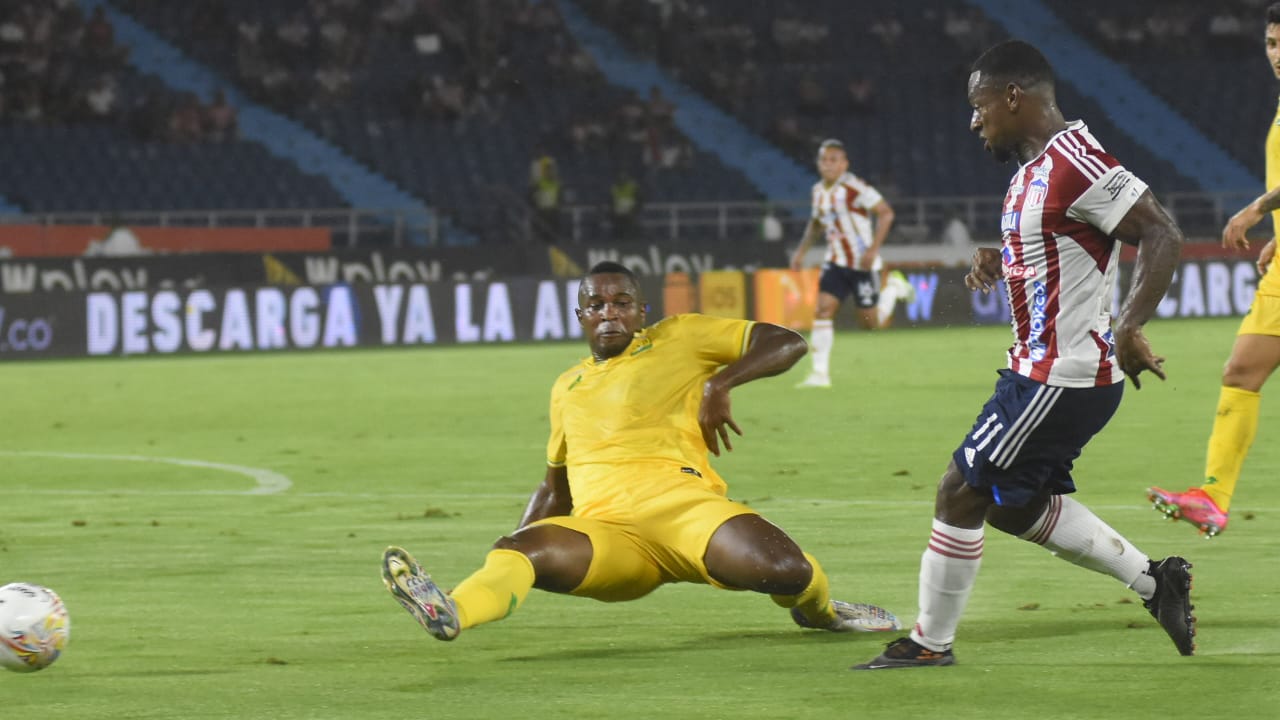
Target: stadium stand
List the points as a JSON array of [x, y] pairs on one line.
[[84, 131], [1188, 45], [452, 101], [798, 72], [461, 104]]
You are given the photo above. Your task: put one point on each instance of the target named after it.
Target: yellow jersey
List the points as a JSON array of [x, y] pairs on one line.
[[627, 427], [1270, 283]]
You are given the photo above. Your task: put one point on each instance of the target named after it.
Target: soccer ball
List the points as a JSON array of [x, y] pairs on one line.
[[34, 627]]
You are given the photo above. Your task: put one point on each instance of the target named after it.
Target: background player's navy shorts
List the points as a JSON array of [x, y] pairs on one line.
[[843, 282], [1024, 441]]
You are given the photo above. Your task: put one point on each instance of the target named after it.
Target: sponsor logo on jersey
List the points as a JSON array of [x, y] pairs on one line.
[[969, 455], [1010, 221], [1012, 269], [1039, 320], [1019, 272]]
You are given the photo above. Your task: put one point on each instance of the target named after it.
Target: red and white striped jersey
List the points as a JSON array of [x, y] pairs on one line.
[[1060, 260], [844, 209]]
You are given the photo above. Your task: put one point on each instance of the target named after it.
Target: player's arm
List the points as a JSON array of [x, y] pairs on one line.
[[1148, 226], [1233, 234], [551, 498], [811, 233], [771, 349], [883, 212]]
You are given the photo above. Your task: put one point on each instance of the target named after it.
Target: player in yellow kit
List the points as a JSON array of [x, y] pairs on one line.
[[1255, 355], [630, 500]]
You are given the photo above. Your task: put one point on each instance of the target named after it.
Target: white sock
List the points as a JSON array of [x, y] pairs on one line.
[[889, 296], [821, 340], [1072, 532], [948, 570]]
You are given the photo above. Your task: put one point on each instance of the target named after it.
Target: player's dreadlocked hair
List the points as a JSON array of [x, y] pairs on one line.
[[1017, 62]]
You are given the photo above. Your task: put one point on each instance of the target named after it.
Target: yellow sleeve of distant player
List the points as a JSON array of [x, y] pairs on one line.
[[719, 340], [557, 448]]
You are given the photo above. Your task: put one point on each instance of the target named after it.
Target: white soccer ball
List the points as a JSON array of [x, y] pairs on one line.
[[34, 627]]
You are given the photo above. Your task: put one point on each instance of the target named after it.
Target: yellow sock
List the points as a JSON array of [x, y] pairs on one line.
[[495, 590], [1233, 431], [814, 602]]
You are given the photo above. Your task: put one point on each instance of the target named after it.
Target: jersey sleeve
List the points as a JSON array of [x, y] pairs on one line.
[[868, 196], [717, 340], [1106, 201], [557, 448]]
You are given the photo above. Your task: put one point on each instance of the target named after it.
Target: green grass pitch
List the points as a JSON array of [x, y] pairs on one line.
[[192, 597]]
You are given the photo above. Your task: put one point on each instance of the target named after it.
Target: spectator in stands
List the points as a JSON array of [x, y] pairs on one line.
[[332, 85], [788, 135], [99, 41], [630, 125], [587, 133], [625, 207], [220, 118], [811, 97], [185, 121], [955, 233], [100, 98], [294, 37], [661, 111], [545, 196], [888, 29], [771, 229], [149, 115], [860, 98]]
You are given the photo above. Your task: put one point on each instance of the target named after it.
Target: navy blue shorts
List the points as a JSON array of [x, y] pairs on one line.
[[1023, 443], [843, 282]]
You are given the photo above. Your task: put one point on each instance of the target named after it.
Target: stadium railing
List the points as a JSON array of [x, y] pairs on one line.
[[918, 220]]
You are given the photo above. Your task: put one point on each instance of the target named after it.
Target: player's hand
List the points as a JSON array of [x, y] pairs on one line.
[[1266, 256], [715, 417], [797, 261], [986, 270], [868, 259], [1233, 234], [1133, 352]]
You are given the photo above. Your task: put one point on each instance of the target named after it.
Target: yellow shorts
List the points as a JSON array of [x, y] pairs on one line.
[[660, 541], [1263, 317]]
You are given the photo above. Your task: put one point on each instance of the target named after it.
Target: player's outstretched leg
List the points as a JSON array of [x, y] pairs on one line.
[[852, 617], [1194, 506], [413, 588], [813, 608], [1171, 605]]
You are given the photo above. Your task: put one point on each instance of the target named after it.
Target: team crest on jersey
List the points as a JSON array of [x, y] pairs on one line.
[[1039, 186]]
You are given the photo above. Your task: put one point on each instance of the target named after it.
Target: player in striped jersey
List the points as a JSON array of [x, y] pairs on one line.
[[1254, 356], [843, 206], [1068, 205]]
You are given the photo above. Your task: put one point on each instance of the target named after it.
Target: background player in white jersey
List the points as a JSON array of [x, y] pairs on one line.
[[843, 206], [1067, 206]]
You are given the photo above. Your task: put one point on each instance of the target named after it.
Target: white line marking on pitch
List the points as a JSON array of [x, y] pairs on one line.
[[269, 482]]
